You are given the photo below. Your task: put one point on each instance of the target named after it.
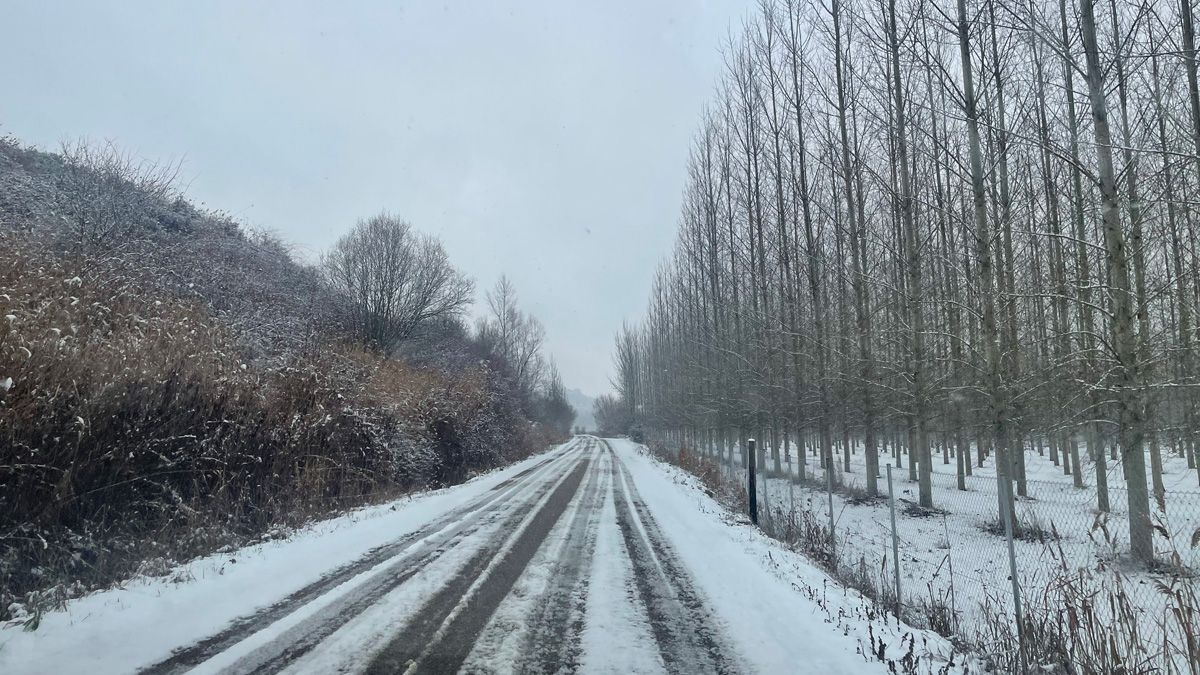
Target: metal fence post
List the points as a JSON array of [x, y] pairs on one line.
[[1008, 514], [950, 563], [895, 539], [829, 464], [750, 477]]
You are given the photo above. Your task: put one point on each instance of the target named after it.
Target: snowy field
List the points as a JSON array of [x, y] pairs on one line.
[[949, 558], [775, 611]]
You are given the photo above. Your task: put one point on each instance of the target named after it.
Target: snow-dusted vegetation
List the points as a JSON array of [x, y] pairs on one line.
[[958, 234], [1078, 586], [171, 383]]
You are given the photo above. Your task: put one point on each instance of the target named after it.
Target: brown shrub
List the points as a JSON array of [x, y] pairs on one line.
[[134, 427]]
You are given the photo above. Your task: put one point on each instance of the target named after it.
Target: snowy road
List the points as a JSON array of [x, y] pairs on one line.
[[590, 558]]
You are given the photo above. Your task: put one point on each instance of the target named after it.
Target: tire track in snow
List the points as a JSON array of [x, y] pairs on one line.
[[553, 642], [460, 522], [688, 638], [615, 614], [494, 539], [537, 627], [442, 634], [298, 640]]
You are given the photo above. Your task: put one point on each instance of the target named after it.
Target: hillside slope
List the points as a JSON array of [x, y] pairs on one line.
[[171, 383]]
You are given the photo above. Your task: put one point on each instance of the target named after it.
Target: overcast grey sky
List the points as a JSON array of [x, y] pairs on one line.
[[546, 140]]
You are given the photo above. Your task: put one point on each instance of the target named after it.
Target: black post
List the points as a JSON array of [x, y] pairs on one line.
[[751, 477]]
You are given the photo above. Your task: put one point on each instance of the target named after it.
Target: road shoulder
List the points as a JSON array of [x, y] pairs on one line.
[[123, 629], [780, 610]]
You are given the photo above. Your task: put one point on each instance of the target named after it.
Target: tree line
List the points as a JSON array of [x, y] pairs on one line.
[[394, 282], [962, 223]]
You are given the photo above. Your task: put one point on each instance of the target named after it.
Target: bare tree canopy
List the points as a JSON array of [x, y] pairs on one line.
[[515, 336], [394, 280]]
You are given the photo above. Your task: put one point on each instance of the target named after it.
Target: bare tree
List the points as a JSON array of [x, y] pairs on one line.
[[394, 280], [1127, 381], [514, 336]]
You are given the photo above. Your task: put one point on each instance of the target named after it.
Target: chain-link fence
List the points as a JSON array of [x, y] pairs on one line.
[[1085, 605]]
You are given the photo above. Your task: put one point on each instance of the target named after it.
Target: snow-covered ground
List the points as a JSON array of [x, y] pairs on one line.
[[950, 558], [119, 630], [782, 598], [591, 557]]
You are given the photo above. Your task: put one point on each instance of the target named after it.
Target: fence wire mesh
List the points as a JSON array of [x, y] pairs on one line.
[[1083, 597]]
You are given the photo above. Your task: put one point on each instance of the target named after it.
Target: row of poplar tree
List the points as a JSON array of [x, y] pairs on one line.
[[969, 222]]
